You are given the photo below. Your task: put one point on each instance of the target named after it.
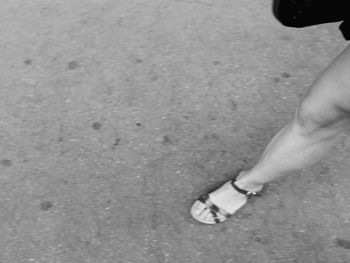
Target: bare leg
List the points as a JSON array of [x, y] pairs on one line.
[[290, 150], [320, 117]]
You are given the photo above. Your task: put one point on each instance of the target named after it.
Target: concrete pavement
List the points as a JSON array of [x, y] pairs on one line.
[[116, 115]]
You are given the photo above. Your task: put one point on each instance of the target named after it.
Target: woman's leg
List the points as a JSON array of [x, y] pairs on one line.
[[320, 117], [322, 114]]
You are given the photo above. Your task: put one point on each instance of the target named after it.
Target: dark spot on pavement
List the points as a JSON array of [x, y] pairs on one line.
[[28, 62], [216, 62], [108, 90], [96, 125], [168, 140], [73, 65], [223, 152], [46, 205], [261, 240], [343, 243], [60, 139], [213, 116], [324, 170], [285, 75], [258, 237], [117, 142], [233, 105], [65, 182], [138, 60], [155, 220], [138, 124], [6, 163], [211, 136], [154, 77], [286, 38], [276, 79]]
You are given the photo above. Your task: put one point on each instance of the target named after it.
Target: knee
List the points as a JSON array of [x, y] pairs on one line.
[[314, 117]]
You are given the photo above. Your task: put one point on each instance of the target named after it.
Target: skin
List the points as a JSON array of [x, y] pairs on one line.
[[321, 116]]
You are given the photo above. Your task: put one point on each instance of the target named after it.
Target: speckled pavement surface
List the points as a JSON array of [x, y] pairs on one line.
[[116, 115]]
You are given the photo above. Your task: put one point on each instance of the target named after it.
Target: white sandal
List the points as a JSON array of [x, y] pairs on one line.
[[218, 215]]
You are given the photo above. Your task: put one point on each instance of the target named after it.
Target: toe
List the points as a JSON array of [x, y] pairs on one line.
[[209, 219], [206, 214], [198, 208], [202, 213]]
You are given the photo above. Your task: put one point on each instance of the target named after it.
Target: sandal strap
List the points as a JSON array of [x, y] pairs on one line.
[[242, 191], [214, 209]]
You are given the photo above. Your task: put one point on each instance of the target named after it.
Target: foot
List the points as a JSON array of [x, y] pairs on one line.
[[218, 205]]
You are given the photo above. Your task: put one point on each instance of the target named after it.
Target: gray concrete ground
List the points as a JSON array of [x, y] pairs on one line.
[[116, 115]]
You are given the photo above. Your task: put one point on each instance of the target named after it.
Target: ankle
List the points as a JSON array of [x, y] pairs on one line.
[[243, 181]]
